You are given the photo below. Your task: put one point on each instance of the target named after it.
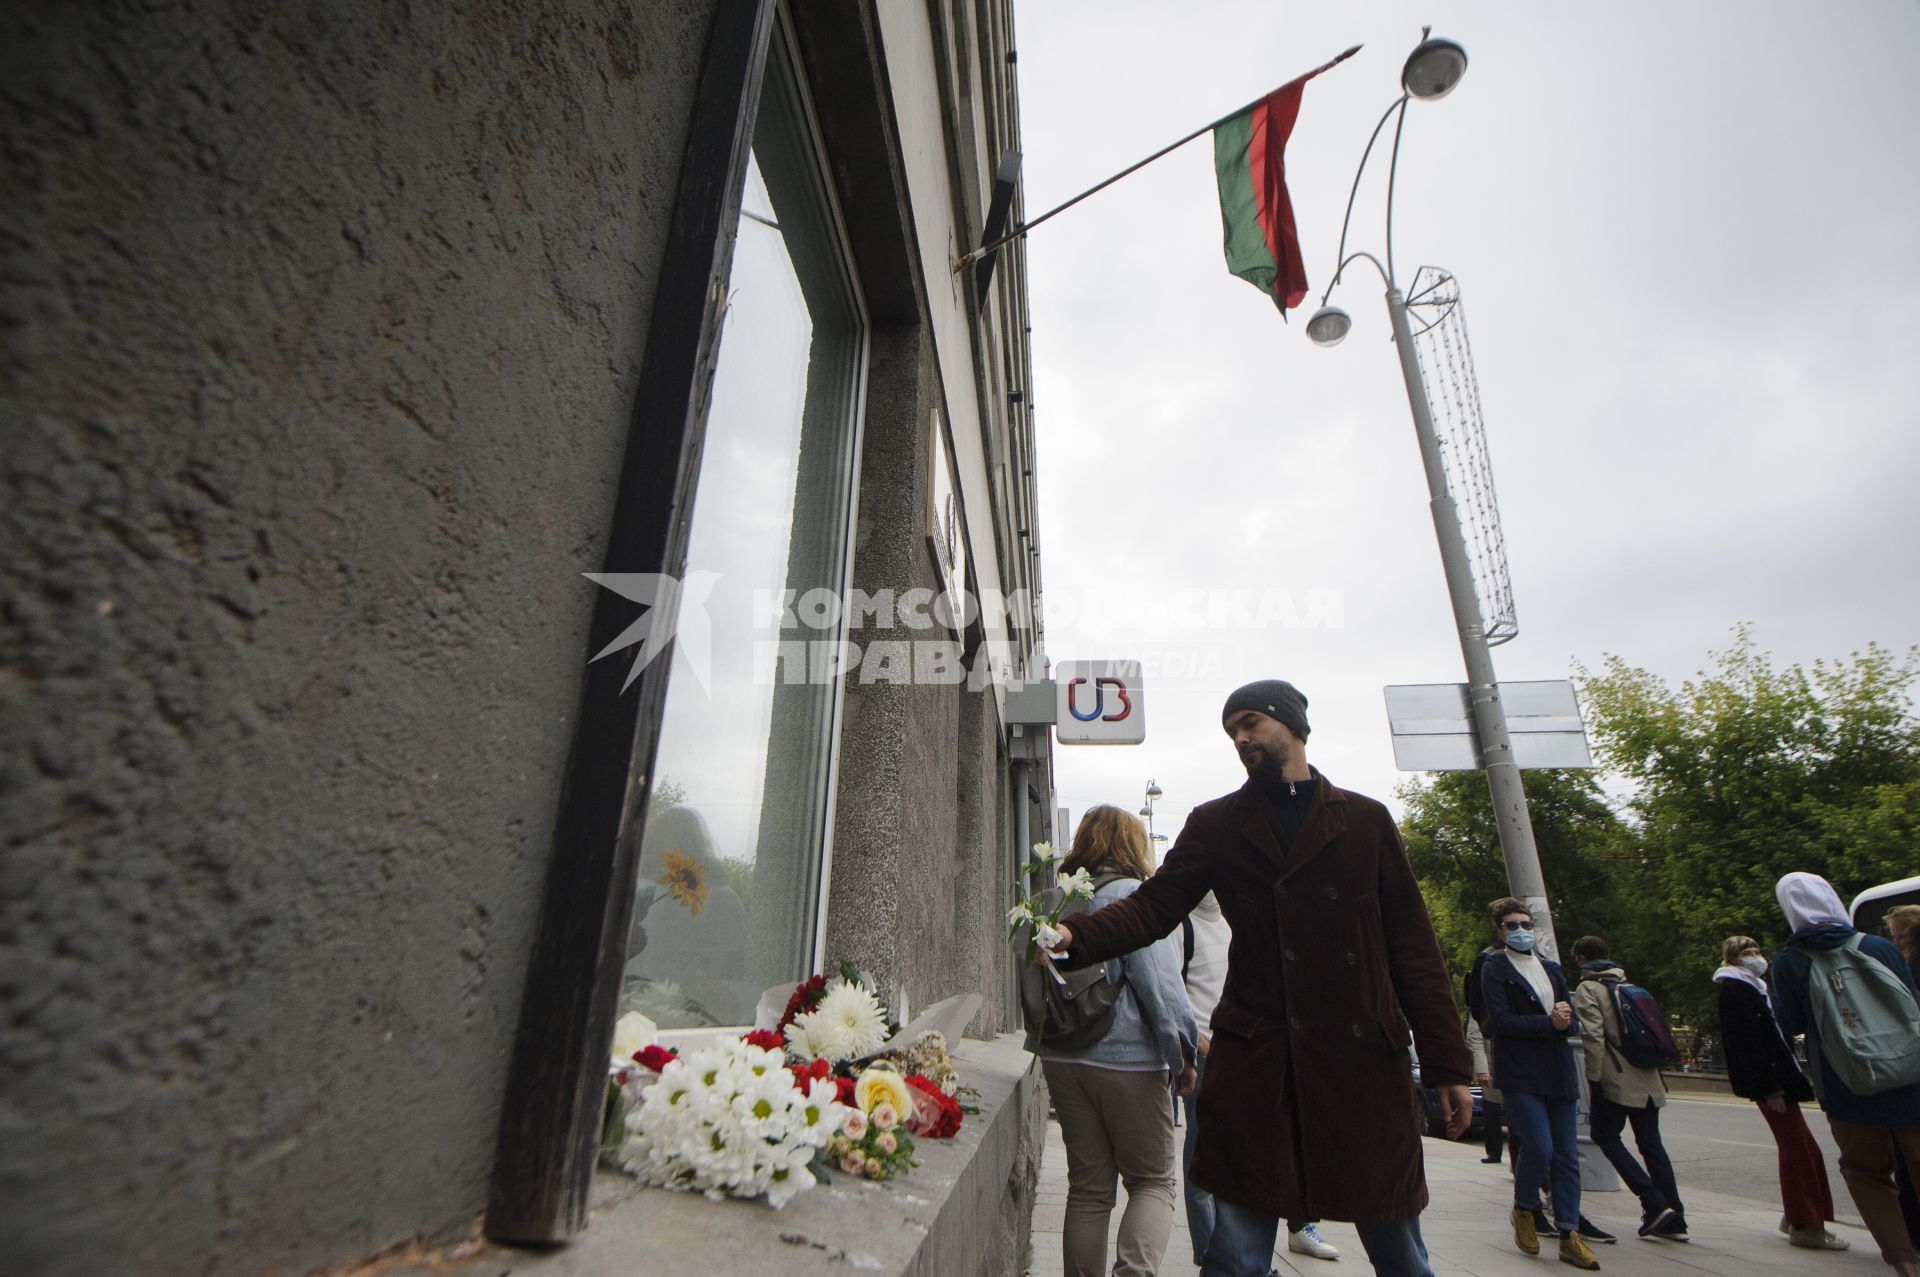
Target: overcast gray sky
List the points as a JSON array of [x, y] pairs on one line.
[[1683, 238]]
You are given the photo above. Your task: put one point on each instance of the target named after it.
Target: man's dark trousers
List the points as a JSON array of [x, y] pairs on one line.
[[1653, 1185]]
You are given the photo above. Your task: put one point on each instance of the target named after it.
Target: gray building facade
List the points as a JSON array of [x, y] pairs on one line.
[[341, 346]]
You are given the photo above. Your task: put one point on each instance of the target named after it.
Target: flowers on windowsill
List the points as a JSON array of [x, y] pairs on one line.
[[936, 1113], [927, 1055], [731, 1120], [776, 1109], [847, 1023], [872, 1141]]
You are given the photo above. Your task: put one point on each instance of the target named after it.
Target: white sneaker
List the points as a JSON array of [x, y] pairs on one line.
[[1816, 1239], [1308, 1241]]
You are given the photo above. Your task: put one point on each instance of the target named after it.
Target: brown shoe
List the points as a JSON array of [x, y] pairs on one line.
[[1524, 1235], [1574, 1250]]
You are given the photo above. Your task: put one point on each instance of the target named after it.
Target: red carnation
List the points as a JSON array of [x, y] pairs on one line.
[[805, 994], [936, 1114], [845, 1086], [655, 1057], [766, 1040], [805, 1075]]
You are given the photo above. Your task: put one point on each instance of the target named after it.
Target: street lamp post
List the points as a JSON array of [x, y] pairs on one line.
[[1431, 72], [1153, 795]]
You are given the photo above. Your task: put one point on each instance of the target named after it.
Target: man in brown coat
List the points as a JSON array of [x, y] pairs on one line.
[[1308, 1109]]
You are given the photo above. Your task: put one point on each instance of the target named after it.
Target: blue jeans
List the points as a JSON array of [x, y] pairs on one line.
[[1654, 1185], [1548, 1129], [1241, 1244]]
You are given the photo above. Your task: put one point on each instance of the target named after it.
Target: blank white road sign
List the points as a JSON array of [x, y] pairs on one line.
[[1433, 729]]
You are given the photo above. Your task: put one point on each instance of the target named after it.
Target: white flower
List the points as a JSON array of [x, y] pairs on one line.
[[633, 1032], [728, 1121], [814, 1038], [1049, 936], [1044, 853], [1077, 885], [1020, 915], [856, 1015]]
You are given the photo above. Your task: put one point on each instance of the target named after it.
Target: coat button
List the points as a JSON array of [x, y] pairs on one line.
[[1351, 959], [1289, 955], [1294, 1020], [1356, 1030], [1333, 893]]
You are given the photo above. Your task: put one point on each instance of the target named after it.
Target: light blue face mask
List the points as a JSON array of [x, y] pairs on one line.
[[1520, 941]]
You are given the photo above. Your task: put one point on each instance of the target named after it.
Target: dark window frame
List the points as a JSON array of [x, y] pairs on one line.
[[556, 1086]]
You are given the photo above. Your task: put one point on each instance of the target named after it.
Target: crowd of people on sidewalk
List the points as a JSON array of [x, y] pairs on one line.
[[1274, 973]]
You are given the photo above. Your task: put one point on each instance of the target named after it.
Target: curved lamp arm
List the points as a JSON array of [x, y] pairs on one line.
[[1385, 274], [1400, 105]]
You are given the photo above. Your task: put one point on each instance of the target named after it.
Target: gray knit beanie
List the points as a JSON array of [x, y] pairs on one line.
[[1276, 699]]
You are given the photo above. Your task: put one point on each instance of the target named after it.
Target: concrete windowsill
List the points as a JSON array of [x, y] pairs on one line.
[[925, 1222]]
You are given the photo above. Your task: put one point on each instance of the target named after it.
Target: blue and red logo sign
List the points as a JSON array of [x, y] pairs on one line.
[[1099, 710]]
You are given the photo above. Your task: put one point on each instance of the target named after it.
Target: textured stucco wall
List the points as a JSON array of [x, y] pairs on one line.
[[319, 336], [918, 848]]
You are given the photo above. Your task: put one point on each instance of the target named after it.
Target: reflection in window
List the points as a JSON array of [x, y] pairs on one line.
[[731, 856]]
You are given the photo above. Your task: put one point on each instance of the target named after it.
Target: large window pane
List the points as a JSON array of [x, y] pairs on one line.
[[731, 858]]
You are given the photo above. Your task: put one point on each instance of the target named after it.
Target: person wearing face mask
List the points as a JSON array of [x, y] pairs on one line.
[[1532, 1026], [1761, 1068], [1873, 1125]]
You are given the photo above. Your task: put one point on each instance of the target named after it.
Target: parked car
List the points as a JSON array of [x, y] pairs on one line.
[[1875, 903], [1430, 1102]]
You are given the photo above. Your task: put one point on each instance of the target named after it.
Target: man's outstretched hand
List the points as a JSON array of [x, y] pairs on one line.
[[1063, 940], [1456, 1105]]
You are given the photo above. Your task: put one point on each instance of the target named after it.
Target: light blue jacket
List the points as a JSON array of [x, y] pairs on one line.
[[1152, 1022]]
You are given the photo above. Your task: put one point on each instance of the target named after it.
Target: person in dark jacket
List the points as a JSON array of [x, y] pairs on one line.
[[1530, 1021], [1761, 1068], [1871, 1130], [1308, 1110]]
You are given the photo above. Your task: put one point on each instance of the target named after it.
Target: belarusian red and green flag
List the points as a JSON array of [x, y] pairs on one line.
[[1250, 161]]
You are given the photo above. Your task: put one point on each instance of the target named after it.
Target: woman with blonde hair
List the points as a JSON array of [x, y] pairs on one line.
[[1115, 1098], [1903, 927], [1761, 1068]]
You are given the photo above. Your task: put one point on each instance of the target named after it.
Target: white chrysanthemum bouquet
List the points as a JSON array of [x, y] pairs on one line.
[[731, 1120]]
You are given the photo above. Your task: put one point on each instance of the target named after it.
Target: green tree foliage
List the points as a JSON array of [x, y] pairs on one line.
[[1455, 850], [1742, 774]]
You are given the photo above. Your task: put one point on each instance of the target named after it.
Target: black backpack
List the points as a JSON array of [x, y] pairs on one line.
[[1068, 1010], [1476, 994]]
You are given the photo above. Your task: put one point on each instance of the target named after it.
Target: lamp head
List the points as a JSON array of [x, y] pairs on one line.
[[1153, 790], [1146, 811], [1329, 326], [1433, 69]]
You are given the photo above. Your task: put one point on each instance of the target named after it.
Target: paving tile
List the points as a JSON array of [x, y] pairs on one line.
[[1467, 1234]]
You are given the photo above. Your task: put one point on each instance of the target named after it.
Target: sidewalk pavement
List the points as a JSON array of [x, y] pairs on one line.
[[1467, 1234]]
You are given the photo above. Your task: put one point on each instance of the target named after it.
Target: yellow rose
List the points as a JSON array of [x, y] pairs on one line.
[[879, 1085]]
